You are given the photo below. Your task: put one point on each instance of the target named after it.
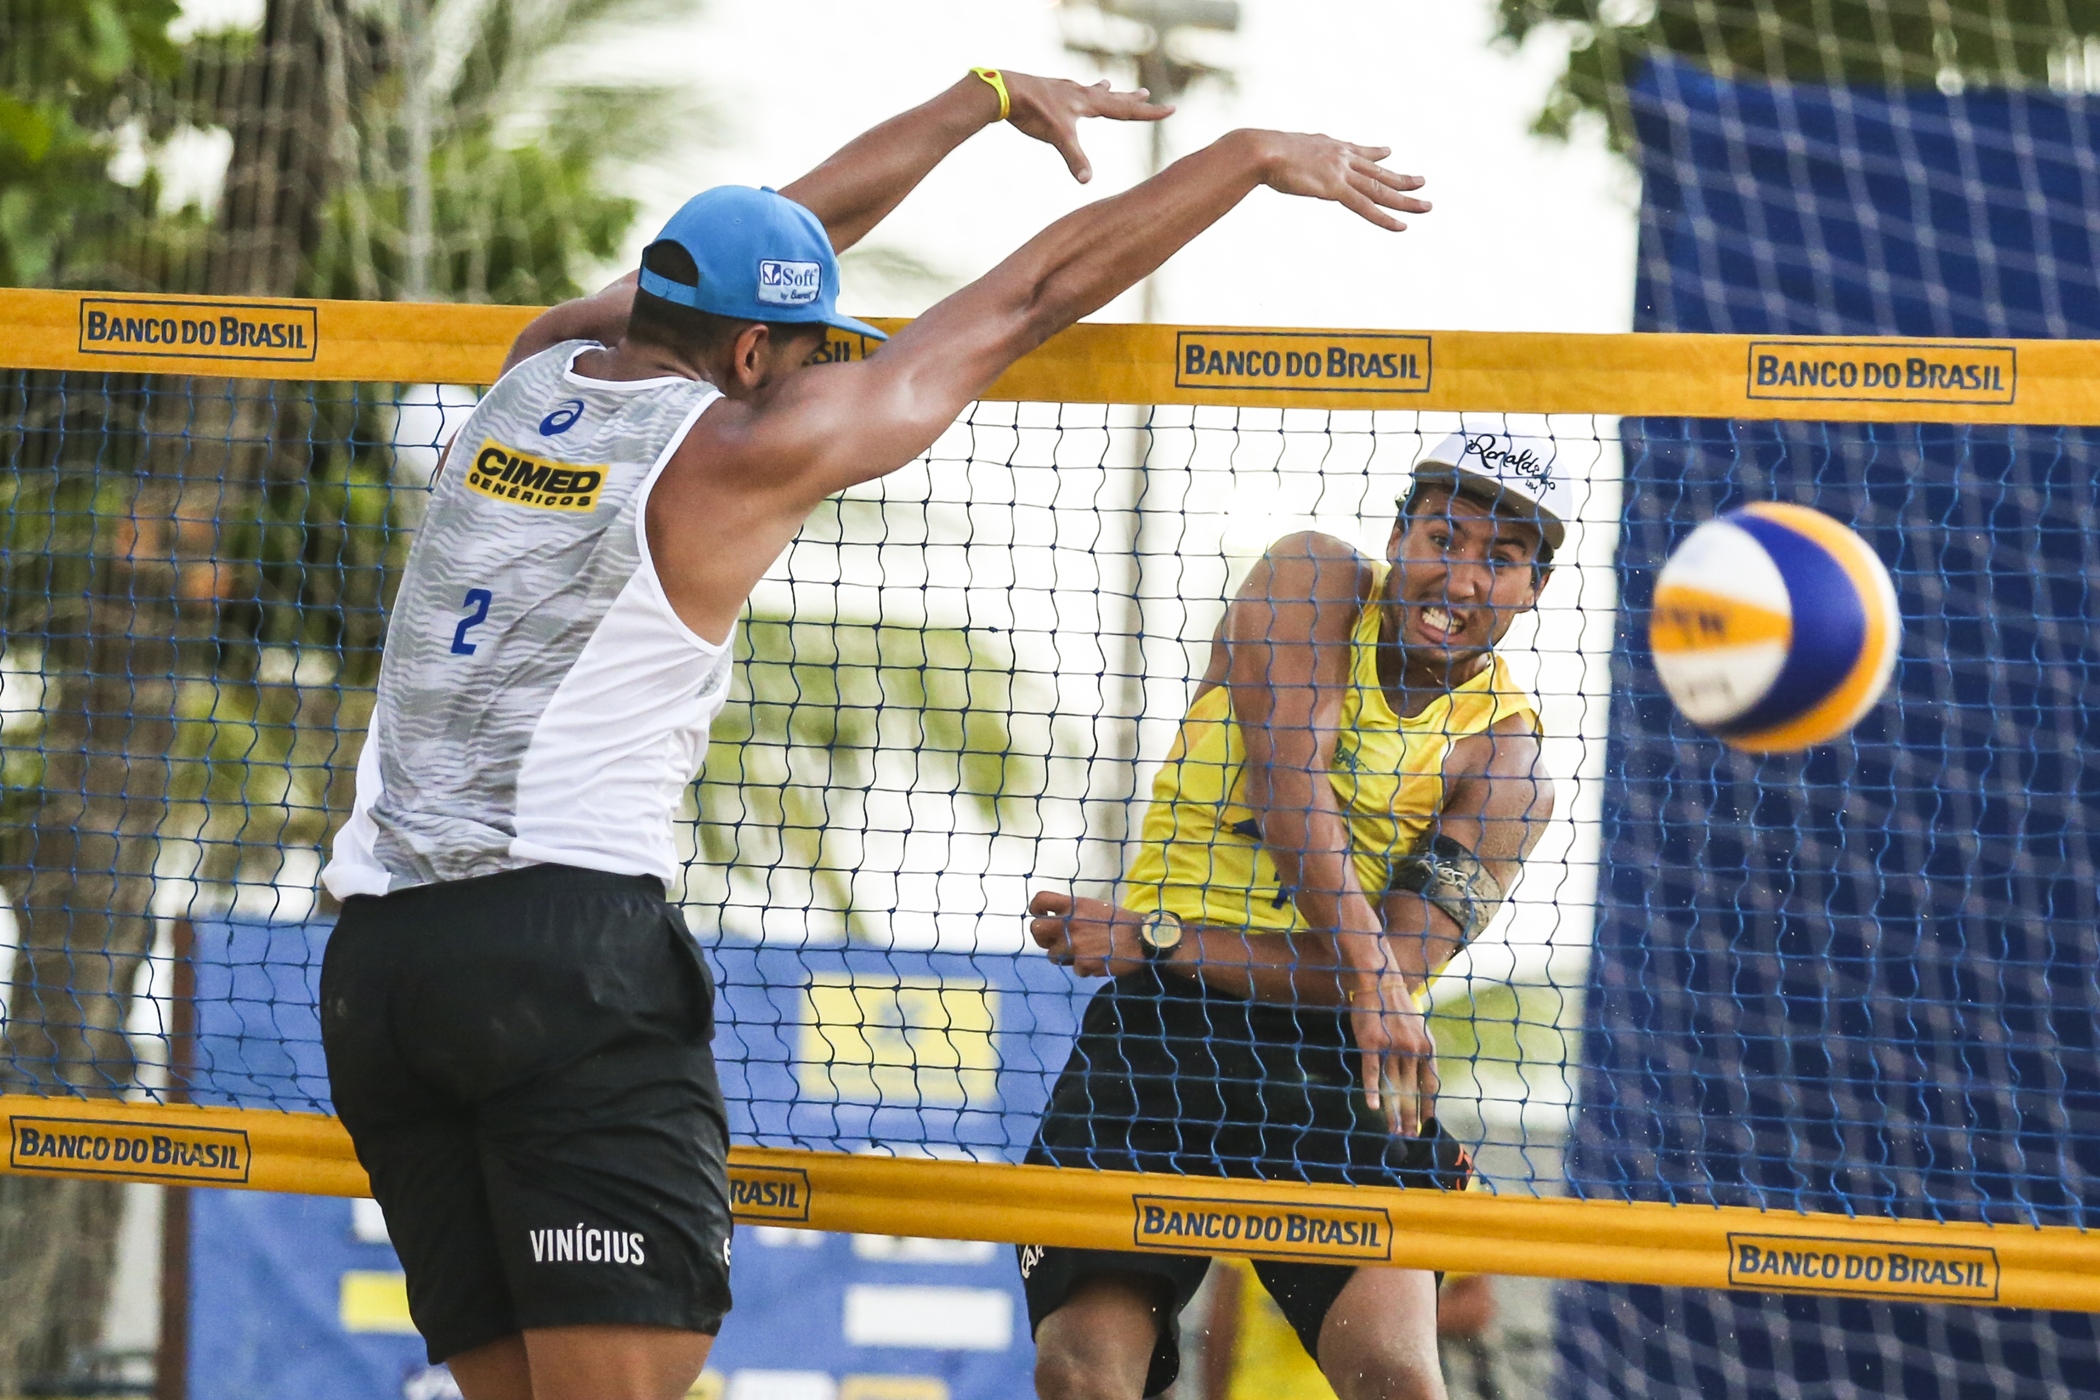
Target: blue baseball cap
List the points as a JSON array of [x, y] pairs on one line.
[[762, 257]]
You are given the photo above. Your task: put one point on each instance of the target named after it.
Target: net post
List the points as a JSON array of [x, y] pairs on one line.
[[171, 1367]]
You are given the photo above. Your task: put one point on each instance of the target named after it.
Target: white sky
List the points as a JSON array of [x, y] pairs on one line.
[[1527, 234]]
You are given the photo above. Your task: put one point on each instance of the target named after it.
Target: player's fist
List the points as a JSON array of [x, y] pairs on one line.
[[1320, 167], [1091, 936], [1050, 110]]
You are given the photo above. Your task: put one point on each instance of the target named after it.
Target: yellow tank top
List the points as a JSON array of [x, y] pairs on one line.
[[1200, 853]]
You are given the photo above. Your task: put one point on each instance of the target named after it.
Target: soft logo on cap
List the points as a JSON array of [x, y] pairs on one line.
[[1516, 461], [782, 283]]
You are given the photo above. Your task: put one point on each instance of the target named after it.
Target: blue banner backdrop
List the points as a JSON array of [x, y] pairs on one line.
[[1860, 979], [298, 1298]]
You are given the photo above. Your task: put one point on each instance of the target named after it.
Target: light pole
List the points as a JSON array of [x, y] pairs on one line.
[[416, 119], [1160, 43]]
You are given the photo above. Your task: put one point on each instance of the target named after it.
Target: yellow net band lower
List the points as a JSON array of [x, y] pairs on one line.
[[1688, 1246]]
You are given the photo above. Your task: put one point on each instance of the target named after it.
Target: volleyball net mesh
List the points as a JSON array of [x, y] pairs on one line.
[[1853, 981], [953, 689], [1864, 169]]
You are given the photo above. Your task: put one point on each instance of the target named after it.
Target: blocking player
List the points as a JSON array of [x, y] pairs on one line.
[[516, 1022], [1355, 786]]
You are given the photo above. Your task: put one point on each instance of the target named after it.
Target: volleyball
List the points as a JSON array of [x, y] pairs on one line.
[[1774, 628]]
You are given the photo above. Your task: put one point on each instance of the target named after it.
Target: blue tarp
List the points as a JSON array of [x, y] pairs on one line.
[[1862, 979]]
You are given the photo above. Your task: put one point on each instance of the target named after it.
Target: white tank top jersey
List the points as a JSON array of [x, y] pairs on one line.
[[539, 700]]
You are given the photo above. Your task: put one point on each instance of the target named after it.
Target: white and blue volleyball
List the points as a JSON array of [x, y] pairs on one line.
[[1774, 628]]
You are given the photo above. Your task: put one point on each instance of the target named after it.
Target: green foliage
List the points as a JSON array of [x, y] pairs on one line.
[[519, 159], [57, 518], [73, 75], [1504, 1035], [322, 547], [1869, 43], [263, 758], [518, 224], [823, 715], [64, 524]]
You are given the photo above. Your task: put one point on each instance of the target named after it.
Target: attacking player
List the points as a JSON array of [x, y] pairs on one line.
[[1354, 788], [516, 1022]]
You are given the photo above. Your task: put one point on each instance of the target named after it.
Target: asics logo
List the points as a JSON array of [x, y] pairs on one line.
[[562, 419]]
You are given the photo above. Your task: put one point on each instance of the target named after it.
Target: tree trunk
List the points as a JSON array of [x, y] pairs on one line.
[[119, 656], [289, 113], [84, 913]]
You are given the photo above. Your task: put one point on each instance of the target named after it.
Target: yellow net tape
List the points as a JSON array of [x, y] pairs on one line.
[[1690, 1246], [1692, 376]]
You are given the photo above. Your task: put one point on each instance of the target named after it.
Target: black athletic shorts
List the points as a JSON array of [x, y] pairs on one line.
[[1171, 1076], [523, 1063]]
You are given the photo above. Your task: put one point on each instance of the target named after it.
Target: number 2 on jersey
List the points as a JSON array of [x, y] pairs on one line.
[[478, 599]]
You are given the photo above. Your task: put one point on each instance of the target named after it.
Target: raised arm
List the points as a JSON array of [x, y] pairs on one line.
[[1287, 646], [858, 186], [840, 425], [602, 317]]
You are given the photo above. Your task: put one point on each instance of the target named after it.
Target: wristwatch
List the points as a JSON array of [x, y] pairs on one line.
[[1159, 933]]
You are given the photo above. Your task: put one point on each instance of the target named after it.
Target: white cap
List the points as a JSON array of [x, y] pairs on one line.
[[1508, 471]]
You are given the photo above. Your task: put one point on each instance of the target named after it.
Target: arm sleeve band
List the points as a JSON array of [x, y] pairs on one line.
[[1455, 881]]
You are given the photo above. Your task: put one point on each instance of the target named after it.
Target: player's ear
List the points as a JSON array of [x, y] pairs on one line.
[[751, 356], [1392, 541], [1541, 575]]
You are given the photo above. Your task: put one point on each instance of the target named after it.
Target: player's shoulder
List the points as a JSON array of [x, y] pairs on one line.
[[1315, 545], [1314, 565]]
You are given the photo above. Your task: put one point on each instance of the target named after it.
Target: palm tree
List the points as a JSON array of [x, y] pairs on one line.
[[197, 566]]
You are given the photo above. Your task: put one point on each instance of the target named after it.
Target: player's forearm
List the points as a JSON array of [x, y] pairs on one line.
[[1081, 263], [1418, 939], [930, 369], [857, 187], [1284, 969], [1309, 841], [1095, 254]]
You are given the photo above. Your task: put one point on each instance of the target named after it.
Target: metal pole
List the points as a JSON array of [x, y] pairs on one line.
[[1131, 660], [1118, 734], [416, 117]]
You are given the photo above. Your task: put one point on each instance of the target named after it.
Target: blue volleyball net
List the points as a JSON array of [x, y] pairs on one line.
[[957, 687], [1845, 982], [1850, 982]]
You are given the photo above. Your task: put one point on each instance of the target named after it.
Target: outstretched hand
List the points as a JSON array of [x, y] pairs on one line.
[[1050, 109], [1320, 167]]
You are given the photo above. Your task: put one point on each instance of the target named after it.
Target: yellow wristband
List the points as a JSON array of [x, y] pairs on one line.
[[998, 81]]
